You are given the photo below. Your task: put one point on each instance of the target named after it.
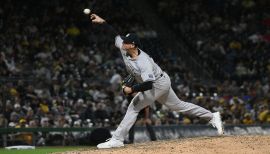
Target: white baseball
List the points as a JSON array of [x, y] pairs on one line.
[[86, 11]]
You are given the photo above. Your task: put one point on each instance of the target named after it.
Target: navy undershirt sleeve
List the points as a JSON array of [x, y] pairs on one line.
[[142, 86]]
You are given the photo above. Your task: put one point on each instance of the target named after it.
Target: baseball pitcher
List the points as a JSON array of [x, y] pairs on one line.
[[153, 85]]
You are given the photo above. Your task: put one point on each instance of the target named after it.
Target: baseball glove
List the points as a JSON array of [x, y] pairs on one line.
[[128, 81]]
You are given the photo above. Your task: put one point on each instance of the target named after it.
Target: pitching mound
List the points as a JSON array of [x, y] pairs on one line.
[[209, 145]]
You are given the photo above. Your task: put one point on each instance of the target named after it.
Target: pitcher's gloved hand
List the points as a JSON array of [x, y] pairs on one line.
[[127, 83]]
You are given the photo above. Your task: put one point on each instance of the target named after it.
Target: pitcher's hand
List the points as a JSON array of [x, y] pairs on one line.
[[96, 19]]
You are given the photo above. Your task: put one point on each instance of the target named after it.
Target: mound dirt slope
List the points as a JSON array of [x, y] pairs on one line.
[[201, 145]]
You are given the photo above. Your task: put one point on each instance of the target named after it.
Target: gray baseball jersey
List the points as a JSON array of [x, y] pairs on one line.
[[145, 69]]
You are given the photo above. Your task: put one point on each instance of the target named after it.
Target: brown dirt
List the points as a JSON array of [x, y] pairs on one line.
[[201, 145]]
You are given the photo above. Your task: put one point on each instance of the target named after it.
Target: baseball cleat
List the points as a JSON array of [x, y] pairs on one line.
[[217, 123], [110, 143]]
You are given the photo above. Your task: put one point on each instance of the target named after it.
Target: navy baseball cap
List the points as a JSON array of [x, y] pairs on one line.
[[131, 38]]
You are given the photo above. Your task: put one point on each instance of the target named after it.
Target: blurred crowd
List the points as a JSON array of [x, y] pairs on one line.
[[59, 70], [230, 37]]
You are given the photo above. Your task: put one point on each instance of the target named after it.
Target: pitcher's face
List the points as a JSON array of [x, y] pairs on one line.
[[128, 46]]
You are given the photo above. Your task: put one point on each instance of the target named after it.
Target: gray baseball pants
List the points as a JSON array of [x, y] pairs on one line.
[[164, 94]]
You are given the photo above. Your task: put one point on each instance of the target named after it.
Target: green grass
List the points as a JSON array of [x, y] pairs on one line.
[[41, 150]]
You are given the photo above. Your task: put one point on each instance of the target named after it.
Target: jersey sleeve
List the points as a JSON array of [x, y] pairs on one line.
[[118, 42], [147, 73]]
